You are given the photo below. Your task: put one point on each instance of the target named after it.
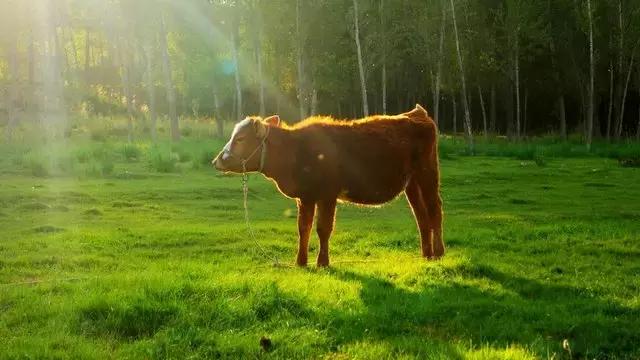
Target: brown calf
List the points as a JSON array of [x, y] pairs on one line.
[[321, 161]]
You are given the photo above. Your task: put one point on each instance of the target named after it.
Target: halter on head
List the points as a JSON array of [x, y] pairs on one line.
[[263, 153]]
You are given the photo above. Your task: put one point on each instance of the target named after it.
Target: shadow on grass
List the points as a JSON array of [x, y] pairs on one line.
[[478, 306], [535, 315]]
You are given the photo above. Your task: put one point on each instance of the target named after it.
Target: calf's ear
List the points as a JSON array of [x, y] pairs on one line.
[[260, 127], [273, 120]]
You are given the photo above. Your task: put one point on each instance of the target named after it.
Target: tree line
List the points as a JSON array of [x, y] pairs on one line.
[[510, 67]]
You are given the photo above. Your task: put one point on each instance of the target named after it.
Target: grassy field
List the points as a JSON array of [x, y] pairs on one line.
[[144, 254]]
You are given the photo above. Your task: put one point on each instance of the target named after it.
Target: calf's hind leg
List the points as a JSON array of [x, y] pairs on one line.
[[306, 210], [430, 188], [414, 195], [324, 227]]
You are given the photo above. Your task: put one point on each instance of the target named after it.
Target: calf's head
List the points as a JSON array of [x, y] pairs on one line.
[[246, 145]]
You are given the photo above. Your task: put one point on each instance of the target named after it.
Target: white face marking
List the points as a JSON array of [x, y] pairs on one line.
[[226, 151], [239, 127]]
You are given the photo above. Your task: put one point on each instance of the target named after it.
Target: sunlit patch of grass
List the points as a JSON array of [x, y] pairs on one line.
[[147, 264]]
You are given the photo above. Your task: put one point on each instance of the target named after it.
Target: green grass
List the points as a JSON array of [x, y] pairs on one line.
[[139, 263]]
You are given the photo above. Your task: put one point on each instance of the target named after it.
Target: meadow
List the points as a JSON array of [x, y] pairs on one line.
[[116, 250]]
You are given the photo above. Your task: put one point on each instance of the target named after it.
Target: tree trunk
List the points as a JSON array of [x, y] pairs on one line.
[[610, 111], [314, 101], [74, 50], [13, 88], [87, 57], [384, 60], [259, 59], [363, 85], [619, 107], [516, 62], [638, 127], [624, 95], [493, 109], [126, 85], [454, 109], [153, 115], [301, 92], [87, 49], [384, 88], [563, 117], [32, 60], [436, 96], [484, 113], [61, 51], [524, 114], [168, 81], [236, 61], [509, 110], [467, 114], [590, 109], [216, 112], [278, 71]]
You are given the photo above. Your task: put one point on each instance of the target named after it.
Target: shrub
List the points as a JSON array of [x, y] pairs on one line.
[[101, 153], [207, 157], [161, 162], [184, 155], [38, 169], [98, 134], [539, 159], [131, 152], [629, 161], [65, 163], [106, 167], [83, 156], [186, 131]]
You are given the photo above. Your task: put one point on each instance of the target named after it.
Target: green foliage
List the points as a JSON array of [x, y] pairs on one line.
[[132, 319], [106, 167], [38, 168], [162, 161], [186, 131], [131, 152], [539, 159], [207, 156], [537, 147]]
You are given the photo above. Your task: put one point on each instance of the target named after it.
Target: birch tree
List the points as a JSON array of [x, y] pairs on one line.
[[258, 47], [236, 73], [465, 104], [299, 56], [436, 92], [384, 59], [168, 82], [363, 85], [13, 78], [484, 113], [151, 93], [591, 78]]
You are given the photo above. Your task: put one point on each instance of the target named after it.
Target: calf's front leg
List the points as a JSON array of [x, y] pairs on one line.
[[324, 227], [306, 211]]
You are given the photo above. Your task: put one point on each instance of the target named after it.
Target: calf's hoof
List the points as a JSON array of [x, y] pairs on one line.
[[322, 262], [301, 264], [438, 253]]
